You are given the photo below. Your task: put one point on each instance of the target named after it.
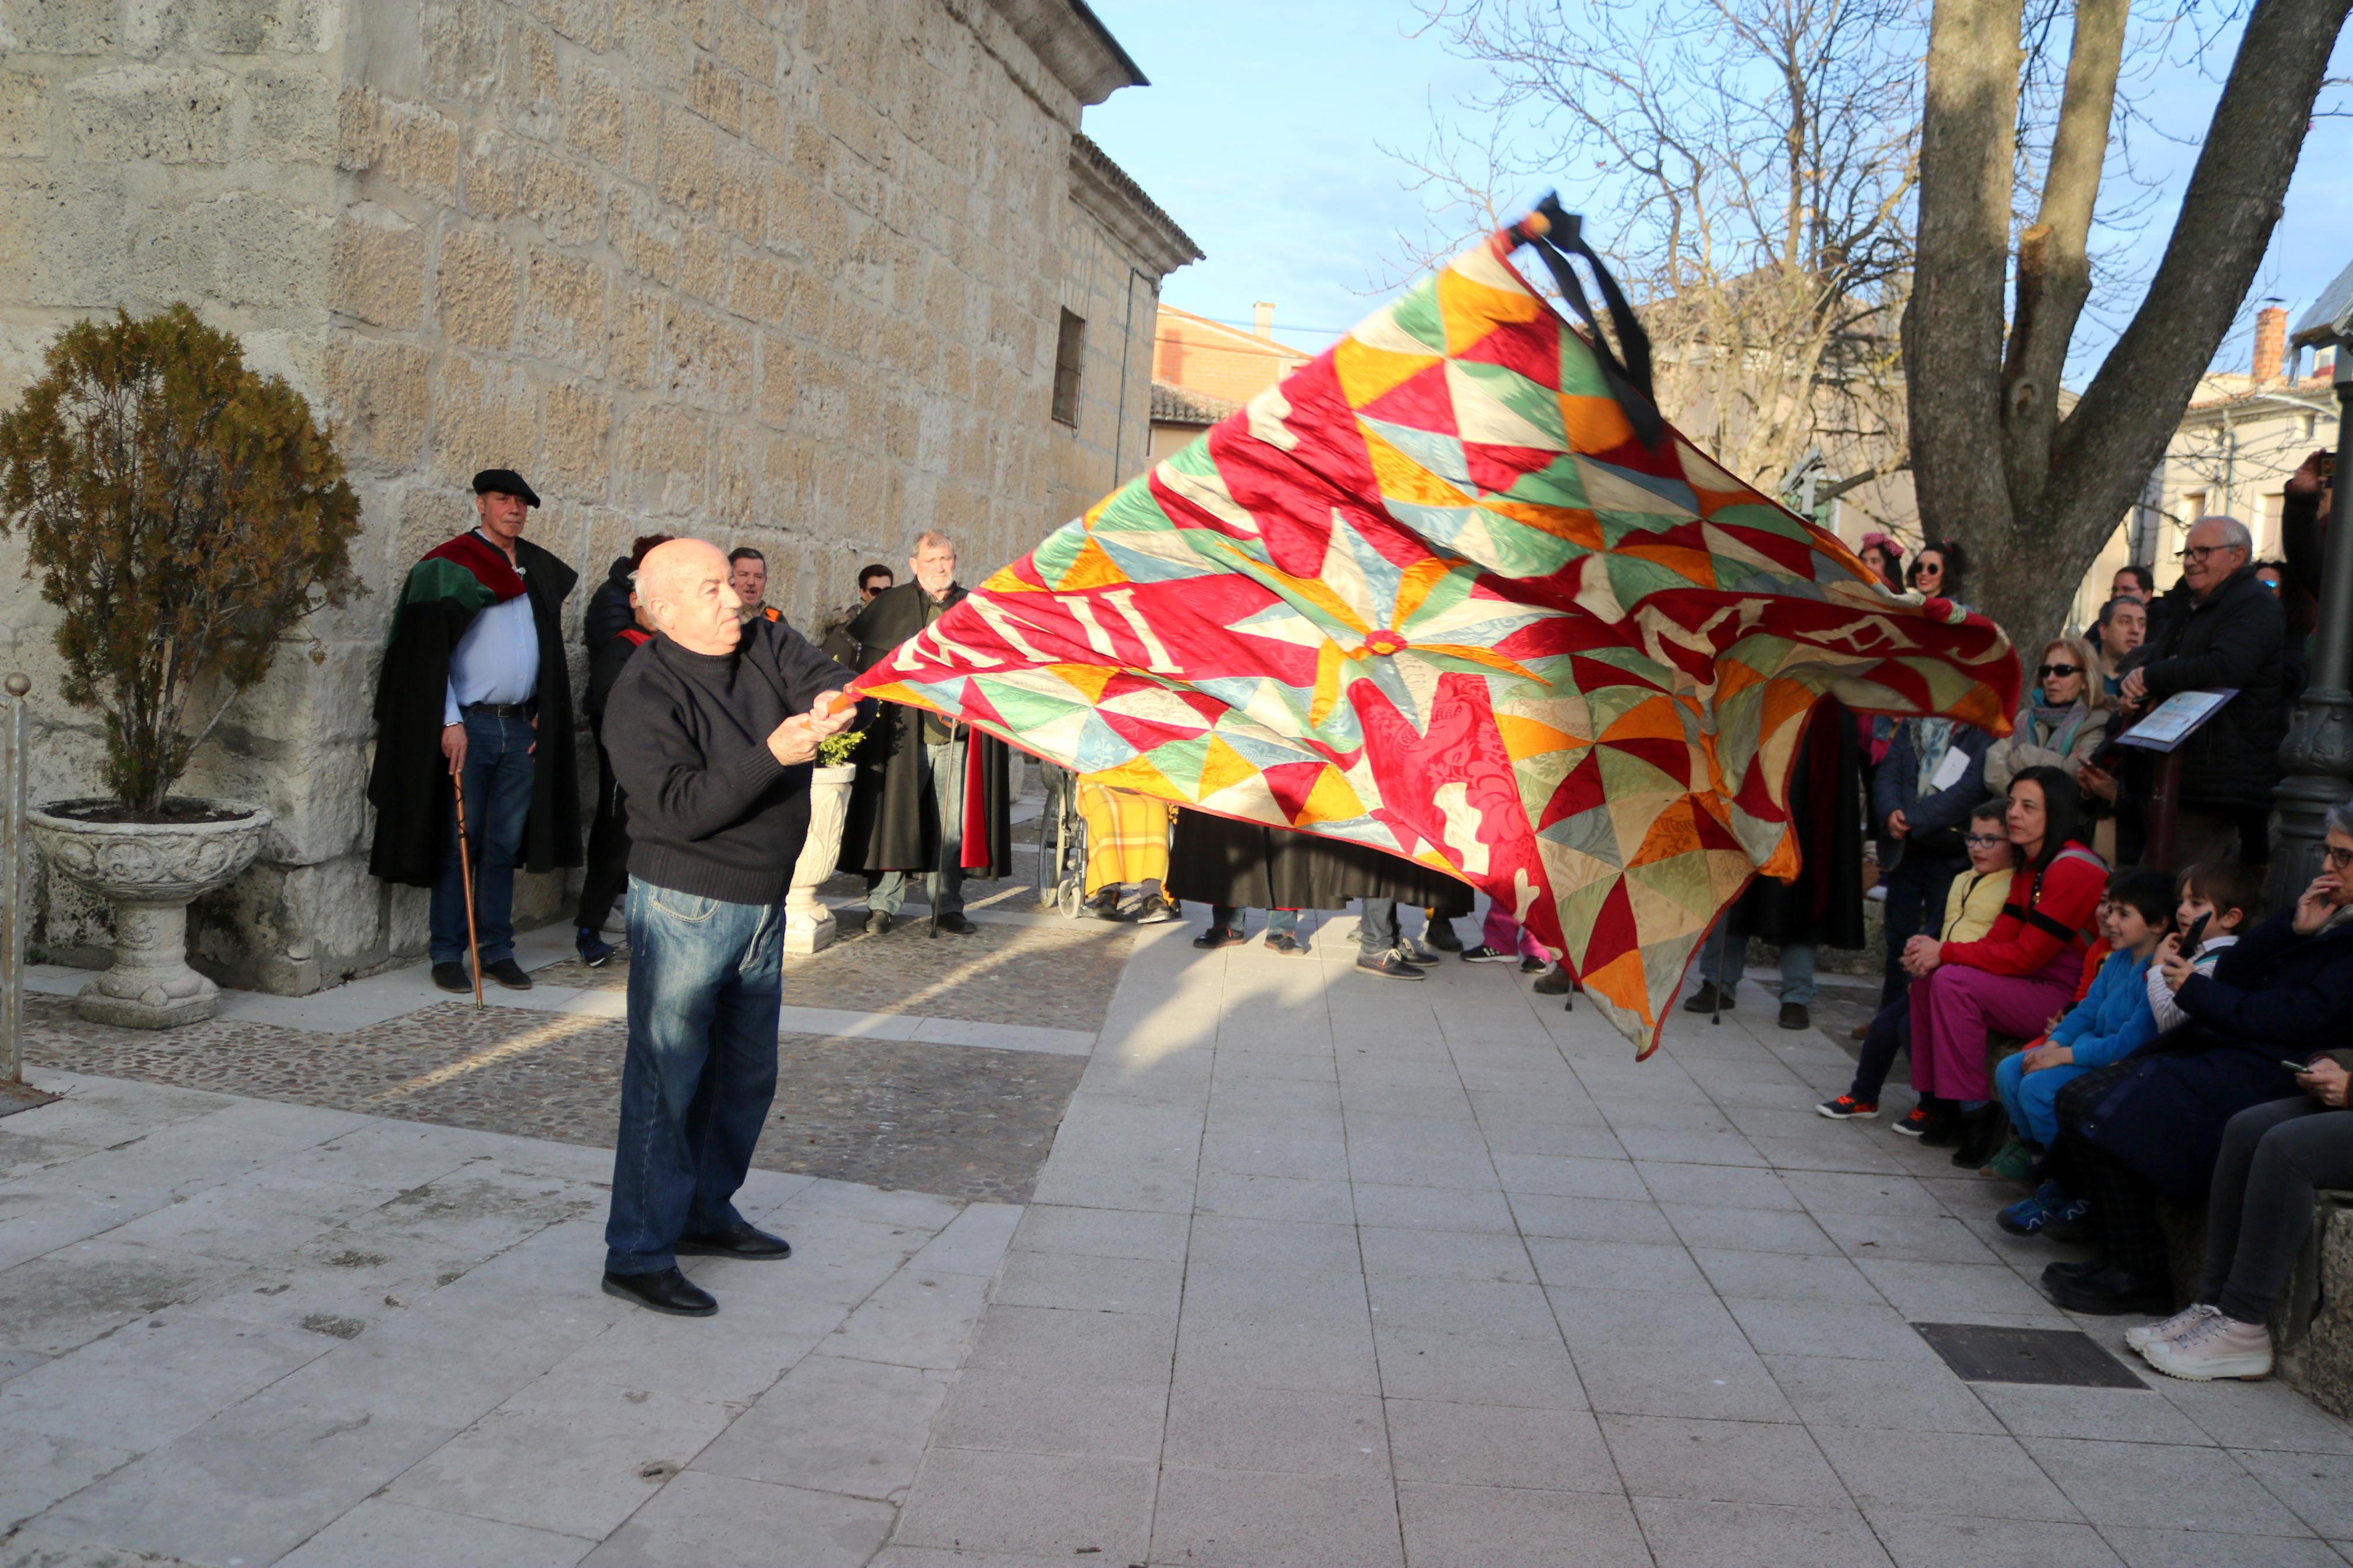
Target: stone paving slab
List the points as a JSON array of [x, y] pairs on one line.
[[238, 1332], [1328, 1269]]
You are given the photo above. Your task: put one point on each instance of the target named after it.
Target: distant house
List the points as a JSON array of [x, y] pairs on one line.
[[2243, 435], [1178, 415]]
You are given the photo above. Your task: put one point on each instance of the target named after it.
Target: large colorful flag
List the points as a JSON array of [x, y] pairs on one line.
[[1452, 590]]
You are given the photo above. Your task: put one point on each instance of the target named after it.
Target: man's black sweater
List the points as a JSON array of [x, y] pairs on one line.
[[712, 812]]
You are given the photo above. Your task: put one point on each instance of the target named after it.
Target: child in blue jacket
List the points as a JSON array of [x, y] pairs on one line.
[[2112, 1021]]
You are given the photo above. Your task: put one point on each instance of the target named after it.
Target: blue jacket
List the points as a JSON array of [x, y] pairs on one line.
[[1937, 822], [2113, 1019]]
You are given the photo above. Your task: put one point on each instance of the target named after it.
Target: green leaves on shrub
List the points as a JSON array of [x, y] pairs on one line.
[[184, 513]]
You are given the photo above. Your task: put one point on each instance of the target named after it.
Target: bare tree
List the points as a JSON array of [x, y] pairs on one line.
[[1754, 159], [2034, 487]]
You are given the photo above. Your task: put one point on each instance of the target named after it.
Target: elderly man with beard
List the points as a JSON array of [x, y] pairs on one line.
[[712, 727]]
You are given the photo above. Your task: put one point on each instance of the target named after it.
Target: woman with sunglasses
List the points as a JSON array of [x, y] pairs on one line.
[[1938, 570], [2063, 722], [2154, 1125]]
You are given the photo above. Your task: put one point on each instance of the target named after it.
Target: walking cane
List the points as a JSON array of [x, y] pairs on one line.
[[466, 867]]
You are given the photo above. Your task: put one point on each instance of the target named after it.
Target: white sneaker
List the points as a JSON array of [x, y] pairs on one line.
[[2218, 1347], [2173, 1327]]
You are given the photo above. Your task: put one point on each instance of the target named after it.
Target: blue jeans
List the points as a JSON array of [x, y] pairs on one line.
[[500, 770], [705, 984], [1723, 961], [886, 890], [1229, 917], [1376, 927], [2031, 1098]]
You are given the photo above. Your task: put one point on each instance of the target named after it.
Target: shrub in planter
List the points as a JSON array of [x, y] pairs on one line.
[[183, 513]]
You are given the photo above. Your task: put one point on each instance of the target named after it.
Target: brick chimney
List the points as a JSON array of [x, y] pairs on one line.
[[2271, 341], [1263, 321]]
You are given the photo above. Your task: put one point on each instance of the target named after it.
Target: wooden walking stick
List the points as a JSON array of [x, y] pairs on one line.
[[465, 868]]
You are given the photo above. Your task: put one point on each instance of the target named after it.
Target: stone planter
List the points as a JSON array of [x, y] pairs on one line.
[[808, 924], [150, 871]]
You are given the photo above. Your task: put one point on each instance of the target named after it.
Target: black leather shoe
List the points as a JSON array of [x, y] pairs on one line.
[[1982, 1131], [2108, 1293], [1945, 1126], [452, 977], [1280, 941], [1557, 982], [1708, 999], [1794, 1017], [509, 974], [2075, 1269], [877, 923], [1218, 936], [742, 1241], [668, 1291], [1439, 936], [954, 924]]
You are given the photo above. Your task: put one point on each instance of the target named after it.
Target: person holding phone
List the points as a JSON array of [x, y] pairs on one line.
[[2219, 901], [2154, 1126]]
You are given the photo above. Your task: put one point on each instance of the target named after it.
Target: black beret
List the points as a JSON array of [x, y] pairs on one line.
[[504, 482]]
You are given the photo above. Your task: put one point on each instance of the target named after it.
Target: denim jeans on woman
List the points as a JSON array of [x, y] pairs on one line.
[[705, 985]]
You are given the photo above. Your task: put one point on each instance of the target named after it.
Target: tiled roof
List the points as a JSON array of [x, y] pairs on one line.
[[2311, 386], [1179, 406]]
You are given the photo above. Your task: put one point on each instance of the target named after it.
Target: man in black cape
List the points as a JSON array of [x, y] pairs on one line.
[[901, 820], [475, 686]]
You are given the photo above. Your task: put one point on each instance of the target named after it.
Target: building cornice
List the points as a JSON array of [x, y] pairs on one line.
[[1119, 203], [1072, 43]]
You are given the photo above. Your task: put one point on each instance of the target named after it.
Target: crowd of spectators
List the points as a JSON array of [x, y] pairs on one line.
[[2095, 1003]]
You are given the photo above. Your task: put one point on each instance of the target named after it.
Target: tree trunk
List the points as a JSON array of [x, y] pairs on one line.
[[1981, 391]]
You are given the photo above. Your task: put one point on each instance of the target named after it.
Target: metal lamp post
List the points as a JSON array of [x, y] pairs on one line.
[[2318, 753]]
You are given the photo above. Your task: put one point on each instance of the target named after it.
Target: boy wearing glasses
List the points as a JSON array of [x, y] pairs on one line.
[[1971, 906]]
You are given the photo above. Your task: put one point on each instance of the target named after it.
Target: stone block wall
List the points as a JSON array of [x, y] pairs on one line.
[[780, 274]]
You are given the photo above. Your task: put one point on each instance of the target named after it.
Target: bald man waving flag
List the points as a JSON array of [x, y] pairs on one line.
[[712, 727]]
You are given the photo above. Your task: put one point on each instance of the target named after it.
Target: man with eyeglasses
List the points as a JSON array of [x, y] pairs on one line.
[[2218, 629]]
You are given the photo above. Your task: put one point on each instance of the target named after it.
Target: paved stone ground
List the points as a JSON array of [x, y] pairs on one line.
[[236, 1332], [1330, 1270], [1320, 1271]]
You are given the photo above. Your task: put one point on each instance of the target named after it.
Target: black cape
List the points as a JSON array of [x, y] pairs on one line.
[[1824, 905], [1245, 865], [891, 826], [409, 783]]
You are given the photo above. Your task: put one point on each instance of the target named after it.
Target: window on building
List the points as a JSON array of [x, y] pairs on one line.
[[1069, 360], [2267, 542]]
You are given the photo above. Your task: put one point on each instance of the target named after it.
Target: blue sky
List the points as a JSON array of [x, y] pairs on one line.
[[1262, 135]]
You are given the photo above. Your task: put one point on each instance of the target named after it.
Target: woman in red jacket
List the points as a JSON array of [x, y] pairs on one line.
[[2019, 975]]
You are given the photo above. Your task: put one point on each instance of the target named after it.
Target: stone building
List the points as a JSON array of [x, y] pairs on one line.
[[809, 276]]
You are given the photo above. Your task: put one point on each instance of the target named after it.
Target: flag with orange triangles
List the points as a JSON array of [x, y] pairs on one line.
[[1450, 591]]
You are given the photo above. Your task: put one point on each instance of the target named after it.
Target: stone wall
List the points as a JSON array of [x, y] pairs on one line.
[[774, 274]]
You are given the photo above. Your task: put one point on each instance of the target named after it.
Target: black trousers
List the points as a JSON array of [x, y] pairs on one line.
[[608, 870], [2124, 1227], [2274, 1158], [1915, 903], [1890, 1032]]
